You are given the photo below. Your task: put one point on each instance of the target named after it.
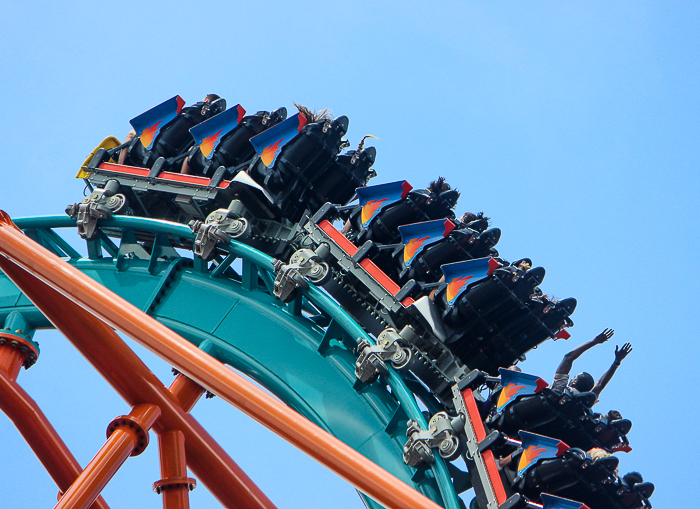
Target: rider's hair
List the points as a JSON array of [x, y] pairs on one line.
[[313, 116], [468, 217], [582, 382], [614, 415], [439, 186]]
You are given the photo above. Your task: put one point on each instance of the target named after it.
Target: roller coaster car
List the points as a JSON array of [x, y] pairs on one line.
[[478, 332], [487, 299], [548, 465], [532, 412], [294, 156], [224, 140], [163, 131], [386, 207], [377, 302], [575, 476], [458, 245], [566, 417]]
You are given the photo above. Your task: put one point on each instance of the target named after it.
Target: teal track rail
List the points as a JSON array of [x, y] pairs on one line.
[[301, 356]]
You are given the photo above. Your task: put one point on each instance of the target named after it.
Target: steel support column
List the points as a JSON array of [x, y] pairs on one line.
[[22, 410], [123, 441], [43, 439], [175, 485], [187, 391]]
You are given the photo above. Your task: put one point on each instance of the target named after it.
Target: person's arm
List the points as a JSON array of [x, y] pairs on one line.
[[431, 296], [620, 354], [568, 361], [123, 152], [185, 169]]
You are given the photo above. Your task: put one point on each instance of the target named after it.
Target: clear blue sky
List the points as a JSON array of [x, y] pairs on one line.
[[573, 125]]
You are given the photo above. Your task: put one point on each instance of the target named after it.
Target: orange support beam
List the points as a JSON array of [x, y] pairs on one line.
[[61, 465], [175, 485], [136, 384], [186, 391], [36, 429], [40, 264], [123, 441]]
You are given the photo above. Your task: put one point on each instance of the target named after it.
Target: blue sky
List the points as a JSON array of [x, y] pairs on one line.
[[575, 127]]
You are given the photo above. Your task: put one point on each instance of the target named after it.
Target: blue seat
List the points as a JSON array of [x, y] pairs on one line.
[[459, 245], [288, 176], [234, 147], [417, 206], [172, 139]]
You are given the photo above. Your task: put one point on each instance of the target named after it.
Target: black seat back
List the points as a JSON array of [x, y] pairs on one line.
[[338, 181]]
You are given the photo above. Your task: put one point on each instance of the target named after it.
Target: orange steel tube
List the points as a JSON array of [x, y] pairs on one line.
[[171, 446], [136, 384], [11, 360], [187, 391], [362, 473], [31, 422], [106, 462]]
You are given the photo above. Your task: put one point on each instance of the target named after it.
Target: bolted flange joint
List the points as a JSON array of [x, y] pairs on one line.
[[131, 425], [174, 482], [372, 359], [16, 350], [441, 435]]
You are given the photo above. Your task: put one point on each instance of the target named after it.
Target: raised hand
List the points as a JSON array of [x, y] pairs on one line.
[[603, 336], [621, 353]]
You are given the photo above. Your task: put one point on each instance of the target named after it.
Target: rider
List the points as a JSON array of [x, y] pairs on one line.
[[583, 382]]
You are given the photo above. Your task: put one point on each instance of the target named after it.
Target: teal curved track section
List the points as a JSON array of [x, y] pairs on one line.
[[299, 351]]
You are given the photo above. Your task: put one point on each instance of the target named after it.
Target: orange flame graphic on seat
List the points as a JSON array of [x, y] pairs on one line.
[[508, 392], [269, 152], [529, 456], [409, 250], [148, 133], [454, 286], [208, 143], [370, 208]]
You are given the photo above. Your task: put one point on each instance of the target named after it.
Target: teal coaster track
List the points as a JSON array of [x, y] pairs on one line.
[[300, 351]]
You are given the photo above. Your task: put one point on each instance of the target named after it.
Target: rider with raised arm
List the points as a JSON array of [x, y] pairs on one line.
[[620, 354], [583, 382]]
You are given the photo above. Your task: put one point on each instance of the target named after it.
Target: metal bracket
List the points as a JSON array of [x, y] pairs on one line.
[[351, 266], [304, 264], [100, 204], [371, 361], [476, 448], [219, 228], [441, 435]]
